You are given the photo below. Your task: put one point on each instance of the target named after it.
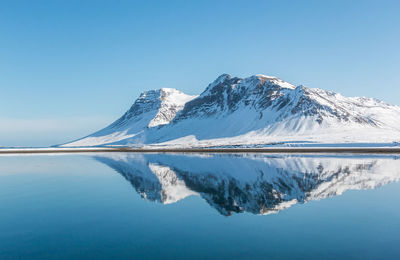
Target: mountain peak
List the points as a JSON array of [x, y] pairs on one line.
[[272, 80], [169, 102], [169, 90], [171, 95], [222, 78], [157, 92]]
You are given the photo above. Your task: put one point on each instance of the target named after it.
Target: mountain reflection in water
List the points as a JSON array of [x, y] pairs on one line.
[[255, 183]]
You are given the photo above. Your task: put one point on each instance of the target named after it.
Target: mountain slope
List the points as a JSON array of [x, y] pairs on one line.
[[152, 109], [257, 110]]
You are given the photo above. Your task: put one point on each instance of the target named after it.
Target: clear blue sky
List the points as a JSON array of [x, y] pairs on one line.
[[68, 68]]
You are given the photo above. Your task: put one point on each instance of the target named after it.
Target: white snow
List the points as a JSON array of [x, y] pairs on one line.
[[164, 105]]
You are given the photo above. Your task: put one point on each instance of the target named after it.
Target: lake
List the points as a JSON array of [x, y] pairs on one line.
[[199, 206]]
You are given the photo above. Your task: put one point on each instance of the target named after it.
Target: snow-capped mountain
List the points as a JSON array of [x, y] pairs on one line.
[[153, 108], [257, 183], [258, 110]]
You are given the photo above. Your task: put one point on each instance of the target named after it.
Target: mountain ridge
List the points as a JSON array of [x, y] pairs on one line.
[[256, 110]]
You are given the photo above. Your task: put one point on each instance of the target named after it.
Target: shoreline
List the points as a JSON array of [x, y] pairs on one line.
[[354, 150]]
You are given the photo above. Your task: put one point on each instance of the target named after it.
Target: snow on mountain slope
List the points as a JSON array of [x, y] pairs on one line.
[[257, 110], [259, 184], [153, 108]]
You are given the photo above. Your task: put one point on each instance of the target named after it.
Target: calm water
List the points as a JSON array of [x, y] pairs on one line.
[[124, 206]]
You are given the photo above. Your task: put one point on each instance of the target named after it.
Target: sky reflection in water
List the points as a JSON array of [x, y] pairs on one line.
[[176, 205]]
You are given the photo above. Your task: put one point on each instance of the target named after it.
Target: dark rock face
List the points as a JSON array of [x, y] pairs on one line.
[[213, 99], [147, 101], [259, 93]]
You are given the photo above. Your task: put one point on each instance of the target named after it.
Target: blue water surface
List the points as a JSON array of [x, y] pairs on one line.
[[130, 206]]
